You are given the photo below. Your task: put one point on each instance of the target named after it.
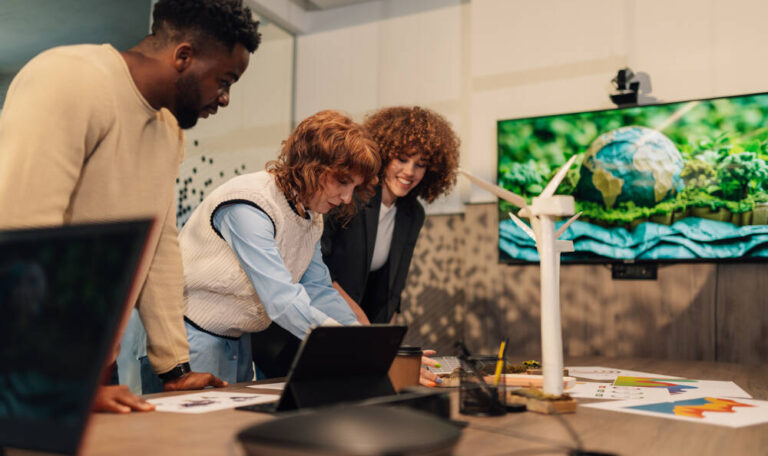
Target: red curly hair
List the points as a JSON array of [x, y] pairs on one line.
[[326, 144], [403, 131]]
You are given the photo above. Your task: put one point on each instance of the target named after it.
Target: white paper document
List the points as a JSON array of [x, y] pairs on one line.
[[270, 386], [683, 388], [600, 390], [208, 401], [722, 411], [608, 373]]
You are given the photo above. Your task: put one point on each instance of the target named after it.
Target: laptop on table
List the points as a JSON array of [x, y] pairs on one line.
[[63, 293], [338, 364]]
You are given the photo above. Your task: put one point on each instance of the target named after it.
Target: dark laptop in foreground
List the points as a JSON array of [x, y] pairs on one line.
[[63, 293], [338, 399], [337, 364]]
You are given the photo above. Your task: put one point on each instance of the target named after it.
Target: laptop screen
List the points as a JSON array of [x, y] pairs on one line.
[[63, 292], [341, 364], [347, 351]]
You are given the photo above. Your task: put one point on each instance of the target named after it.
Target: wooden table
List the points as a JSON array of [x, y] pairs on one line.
[[523, 433]]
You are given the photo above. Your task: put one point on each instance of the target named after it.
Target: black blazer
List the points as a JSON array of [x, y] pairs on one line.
[[347, 251]]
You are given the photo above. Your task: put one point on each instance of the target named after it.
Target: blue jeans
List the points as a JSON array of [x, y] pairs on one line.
[[132, 349], [228, 359]]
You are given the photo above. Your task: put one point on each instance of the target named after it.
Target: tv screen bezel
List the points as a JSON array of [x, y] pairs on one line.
[[610, 261]]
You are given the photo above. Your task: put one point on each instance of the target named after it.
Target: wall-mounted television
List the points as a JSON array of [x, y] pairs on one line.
[[683, 181]]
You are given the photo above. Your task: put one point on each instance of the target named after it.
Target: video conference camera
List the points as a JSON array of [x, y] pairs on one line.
[[626, 88]]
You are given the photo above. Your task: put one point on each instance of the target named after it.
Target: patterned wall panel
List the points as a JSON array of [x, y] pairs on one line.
[[498, 303], [433, 300], [199, 174]]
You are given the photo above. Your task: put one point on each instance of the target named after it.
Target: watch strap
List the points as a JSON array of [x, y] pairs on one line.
[[179, 371]]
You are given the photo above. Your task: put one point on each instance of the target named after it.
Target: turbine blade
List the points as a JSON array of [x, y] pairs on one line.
[[504, 194], [523, 226], [676, 115], [536, 226], [549, 190], [565, 226]]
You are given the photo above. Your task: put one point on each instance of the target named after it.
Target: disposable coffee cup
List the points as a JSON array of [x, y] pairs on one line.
[[406, 367]]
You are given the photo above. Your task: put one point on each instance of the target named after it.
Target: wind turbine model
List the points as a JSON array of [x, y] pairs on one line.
[[542, 212]]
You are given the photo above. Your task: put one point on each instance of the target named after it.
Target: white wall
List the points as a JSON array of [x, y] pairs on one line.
[[480, 61], [378, 54]]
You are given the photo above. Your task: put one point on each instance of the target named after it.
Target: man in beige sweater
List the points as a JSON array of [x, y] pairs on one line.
[[90, 134]]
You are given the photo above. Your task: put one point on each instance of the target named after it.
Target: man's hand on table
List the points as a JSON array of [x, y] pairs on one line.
[[194, 381], [428, 378], [119, 399]]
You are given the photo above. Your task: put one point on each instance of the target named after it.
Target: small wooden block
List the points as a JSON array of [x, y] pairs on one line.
[[545, 406], [540, 371], [551, 407]]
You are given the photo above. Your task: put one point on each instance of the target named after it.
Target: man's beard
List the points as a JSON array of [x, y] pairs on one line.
[[187, 101]]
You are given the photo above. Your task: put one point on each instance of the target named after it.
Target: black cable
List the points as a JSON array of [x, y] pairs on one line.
[[571, 431], [590, 453], [560, 446], [465, 355], [532, 451]]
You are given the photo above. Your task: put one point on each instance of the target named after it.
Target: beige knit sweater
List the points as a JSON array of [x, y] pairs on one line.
[[79, 143], [219, 296]]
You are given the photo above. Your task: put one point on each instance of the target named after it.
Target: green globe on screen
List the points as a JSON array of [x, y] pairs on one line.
[[632, 163]]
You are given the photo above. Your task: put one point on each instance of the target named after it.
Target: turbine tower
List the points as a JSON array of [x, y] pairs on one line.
[[542, 212]]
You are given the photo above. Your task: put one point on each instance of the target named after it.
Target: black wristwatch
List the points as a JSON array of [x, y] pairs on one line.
[[177, 372]]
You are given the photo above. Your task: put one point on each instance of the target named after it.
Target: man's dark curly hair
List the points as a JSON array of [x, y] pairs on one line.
[[403, 131], [227, 21]]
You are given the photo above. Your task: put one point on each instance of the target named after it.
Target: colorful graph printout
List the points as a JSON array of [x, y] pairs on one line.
[[608, 373], [681, 388], [594, 390], [722, 411], [208, 401]]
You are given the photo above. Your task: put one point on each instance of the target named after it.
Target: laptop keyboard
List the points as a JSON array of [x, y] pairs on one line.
[[447, 364]]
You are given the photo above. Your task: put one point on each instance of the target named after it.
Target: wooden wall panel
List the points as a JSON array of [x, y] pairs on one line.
[[671, 318], [742, 313]]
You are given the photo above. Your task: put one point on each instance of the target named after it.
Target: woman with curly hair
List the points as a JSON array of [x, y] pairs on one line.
[[251, 249], [369, 257]]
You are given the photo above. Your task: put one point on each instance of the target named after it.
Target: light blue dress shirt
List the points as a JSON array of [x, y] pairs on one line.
[[297, 307]]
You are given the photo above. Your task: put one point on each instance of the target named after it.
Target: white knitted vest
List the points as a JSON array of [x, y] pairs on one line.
[[218, 295]]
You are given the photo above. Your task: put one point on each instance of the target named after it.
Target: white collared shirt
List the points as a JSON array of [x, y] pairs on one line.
[[383, 236]]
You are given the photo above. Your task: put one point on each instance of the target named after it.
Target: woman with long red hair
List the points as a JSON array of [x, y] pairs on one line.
[[251, 249]]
